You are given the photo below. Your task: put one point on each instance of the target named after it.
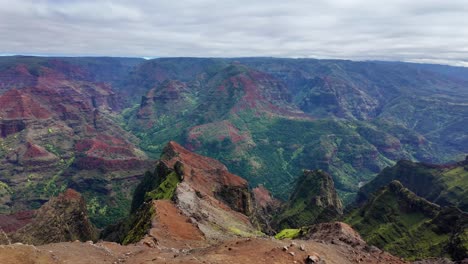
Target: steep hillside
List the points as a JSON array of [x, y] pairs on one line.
[[314, 200], [426, 99], [446, 185], [397, 220], [58, 129]]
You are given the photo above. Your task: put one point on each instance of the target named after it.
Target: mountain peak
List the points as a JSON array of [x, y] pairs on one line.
[[201, 171], [313, 200]]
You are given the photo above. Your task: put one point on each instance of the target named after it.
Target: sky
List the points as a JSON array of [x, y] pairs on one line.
[[432, 31]]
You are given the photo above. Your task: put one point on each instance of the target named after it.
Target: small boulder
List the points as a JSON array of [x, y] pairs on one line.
[[312, 259]]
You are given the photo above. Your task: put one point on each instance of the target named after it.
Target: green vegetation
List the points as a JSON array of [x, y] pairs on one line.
[[284, 147], [313, 200], [444, 185], [236, 231], [39, 187], [355, 133], [100, 213], [52, 149], [95, 208], [166, 189], [398, 221], [4, 187], [154, 186], [138, 224], [288, 234]]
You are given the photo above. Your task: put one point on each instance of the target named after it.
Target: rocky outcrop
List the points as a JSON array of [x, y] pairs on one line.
[[266, 208], [208, 177], [313, 200], [63, 218], [335, 233], [193, 189]]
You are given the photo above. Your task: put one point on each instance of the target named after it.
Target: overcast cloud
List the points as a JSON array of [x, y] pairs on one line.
[[409, 30]]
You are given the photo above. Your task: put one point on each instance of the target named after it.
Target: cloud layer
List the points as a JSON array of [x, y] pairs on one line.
[[419, 30]]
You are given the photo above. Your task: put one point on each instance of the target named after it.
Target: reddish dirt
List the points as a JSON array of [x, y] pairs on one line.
[[20, 105], [230, 252], [172, 229], [263, 197], [34, 151], [203, 173], [70, 194], [13, 222], [263, 93], [225, 129], [98, 148]]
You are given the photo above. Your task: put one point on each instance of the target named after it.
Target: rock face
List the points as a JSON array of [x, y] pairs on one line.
[[313, 200], [397, 220], [334, 232], [208, 177], [189, 199], [63, 218], [265, 208]]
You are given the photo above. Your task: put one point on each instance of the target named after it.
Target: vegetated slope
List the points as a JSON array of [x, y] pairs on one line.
[[446, 185], [58, 129], [397, 220], [427, 100], [267, 119], [314, 200]]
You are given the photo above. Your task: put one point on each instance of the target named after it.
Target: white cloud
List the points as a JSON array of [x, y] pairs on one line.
[[416, 30]]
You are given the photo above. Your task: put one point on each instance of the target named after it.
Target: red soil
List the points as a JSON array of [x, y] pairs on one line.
[[13, 222], [246, 251], [17, 104], [263, 197], [95, 148], [35, 151], [70, 194], [173, 229], [201, 172]]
